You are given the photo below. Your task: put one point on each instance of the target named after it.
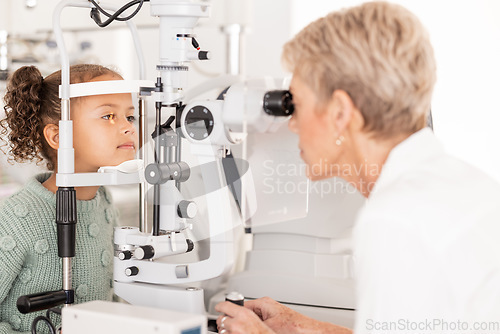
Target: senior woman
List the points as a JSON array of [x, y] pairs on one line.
[[426, 243]]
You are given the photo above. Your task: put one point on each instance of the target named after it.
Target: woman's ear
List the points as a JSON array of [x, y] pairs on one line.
[[51, 134], [343, 111]]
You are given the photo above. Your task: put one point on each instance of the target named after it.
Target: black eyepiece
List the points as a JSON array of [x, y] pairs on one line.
[[278, 103]]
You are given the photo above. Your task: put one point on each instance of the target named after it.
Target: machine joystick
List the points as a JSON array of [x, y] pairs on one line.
[[235, 298]]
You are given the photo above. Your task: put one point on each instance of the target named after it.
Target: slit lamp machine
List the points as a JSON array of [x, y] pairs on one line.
[[142, 275]]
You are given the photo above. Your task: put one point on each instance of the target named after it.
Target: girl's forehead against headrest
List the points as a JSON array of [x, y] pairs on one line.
[[107, 77]]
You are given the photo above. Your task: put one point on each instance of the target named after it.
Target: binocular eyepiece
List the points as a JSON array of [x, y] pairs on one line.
[[278, 103]]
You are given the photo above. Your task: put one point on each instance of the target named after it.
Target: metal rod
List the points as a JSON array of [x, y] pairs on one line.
[[4, 59], [65, 110], [156, 199], [178, 158], [143, 187], [156, 210], [66, 273], [233, 47]]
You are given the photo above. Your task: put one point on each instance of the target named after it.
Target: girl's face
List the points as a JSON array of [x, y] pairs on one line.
[[104, 133]]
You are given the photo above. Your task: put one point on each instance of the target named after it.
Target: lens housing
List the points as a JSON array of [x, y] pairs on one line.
[[278, 103]]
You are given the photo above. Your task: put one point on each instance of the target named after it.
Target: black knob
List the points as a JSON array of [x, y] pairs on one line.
[[125, 255], [131, 271], [190, 244], [235, 298], [144, 252], [204, 55]]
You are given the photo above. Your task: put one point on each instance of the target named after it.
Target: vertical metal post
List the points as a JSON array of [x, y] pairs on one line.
[[143, 187], [4, 59], [158, 159], [178, 156], [67, 275], [233, 47]]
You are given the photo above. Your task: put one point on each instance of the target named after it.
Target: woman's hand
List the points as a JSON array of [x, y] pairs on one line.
[[266, 315], [240, 320]]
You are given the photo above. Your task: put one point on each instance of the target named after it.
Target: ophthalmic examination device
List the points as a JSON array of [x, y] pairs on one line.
[[143, 274]]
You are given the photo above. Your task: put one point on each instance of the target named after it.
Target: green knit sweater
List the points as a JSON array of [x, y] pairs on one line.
[[28, 251]]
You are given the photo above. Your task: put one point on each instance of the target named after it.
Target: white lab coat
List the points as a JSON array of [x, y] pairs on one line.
[[427, 245]]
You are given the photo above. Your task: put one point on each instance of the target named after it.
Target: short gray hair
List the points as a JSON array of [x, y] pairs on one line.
[[380, 54]]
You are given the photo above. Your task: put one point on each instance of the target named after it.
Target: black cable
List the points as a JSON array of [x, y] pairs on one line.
[[94, 13], [55, 310], [121, 10], [52, 329], [45, 319]]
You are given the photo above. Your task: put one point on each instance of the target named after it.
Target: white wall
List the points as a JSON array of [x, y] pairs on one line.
[[465, 35]]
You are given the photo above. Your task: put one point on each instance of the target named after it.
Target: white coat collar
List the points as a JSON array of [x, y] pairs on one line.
[[413, 151]]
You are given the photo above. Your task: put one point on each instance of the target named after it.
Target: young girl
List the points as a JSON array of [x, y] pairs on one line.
[[103, 135]]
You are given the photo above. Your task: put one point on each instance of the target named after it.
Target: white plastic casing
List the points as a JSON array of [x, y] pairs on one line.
[[106, 317], [243, 107], [220, 135]]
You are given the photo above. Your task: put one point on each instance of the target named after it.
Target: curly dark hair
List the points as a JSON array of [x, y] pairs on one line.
[[32, 102]]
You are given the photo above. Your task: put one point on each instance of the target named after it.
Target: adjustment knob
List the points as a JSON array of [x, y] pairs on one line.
[[190, 244], [125, 255], [187, 209], [144, 252], [235, 298], [204, 55], [131, 271]]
